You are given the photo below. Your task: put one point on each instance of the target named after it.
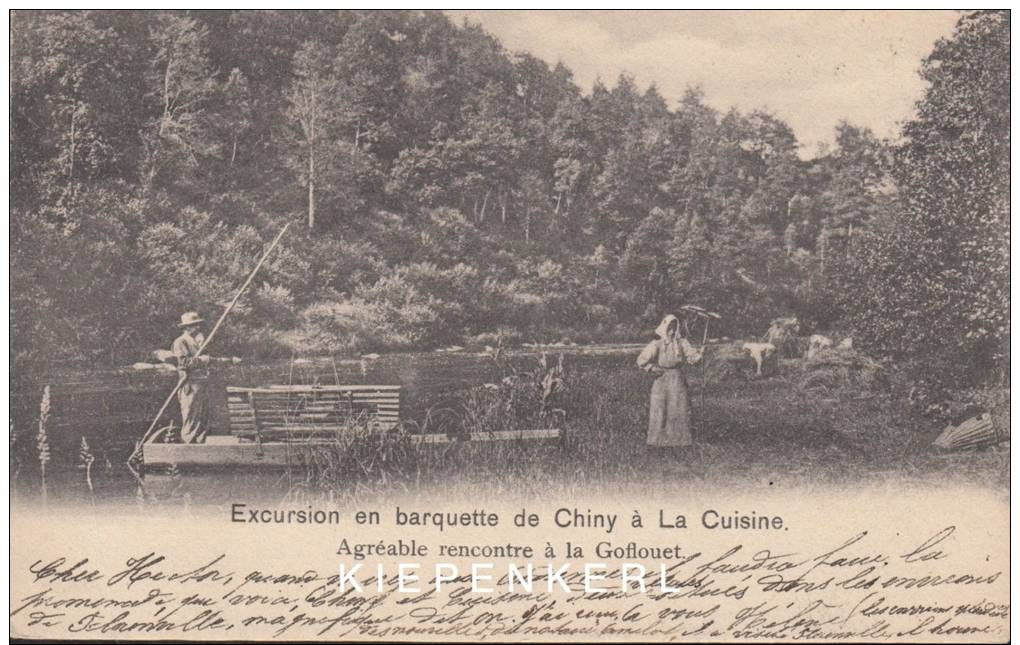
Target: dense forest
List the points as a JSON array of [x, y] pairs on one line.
[[447, 191]]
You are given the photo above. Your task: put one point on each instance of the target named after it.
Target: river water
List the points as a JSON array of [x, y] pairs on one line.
[[111, 409]]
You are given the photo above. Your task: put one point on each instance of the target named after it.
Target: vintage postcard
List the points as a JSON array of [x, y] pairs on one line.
[[509, 326]]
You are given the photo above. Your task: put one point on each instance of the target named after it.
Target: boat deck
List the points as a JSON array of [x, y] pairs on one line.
[[228, 450]]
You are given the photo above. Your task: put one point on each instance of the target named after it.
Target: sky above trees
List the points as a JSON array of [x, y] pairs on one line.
[[812, 69]]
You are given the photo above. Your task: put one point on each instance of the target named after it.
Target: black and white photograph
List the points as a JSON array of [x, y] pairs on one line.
[[400, 277]]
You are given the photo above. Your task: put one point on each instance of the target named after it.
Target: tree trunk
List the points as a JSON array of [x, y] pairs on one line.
[[70, 170], [233, 153], [822, 257], [166, 99], [311, 187], [485, 202]]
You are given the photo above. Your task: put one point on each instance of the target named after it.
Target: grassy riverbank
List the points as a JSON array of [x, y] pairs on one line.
[[750, 434]]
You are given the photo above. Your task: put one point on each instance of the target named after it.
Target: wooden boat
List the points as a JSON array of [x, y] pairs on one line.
[[287, 425]]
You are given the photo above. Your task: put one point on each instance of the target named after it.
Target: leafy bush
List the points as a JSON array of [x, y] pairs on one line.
[[931, 283]]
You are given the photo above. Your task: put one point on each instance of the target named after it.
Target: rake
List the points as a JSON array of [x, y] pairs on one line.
[[708, 317]]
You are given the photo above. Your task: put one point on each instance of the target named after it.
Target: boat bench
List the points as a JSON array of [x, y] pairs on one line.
[[297, 411]]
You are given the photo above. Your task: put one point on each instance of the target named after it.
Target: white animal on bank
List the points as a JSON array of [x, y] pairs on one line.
[[766, 360]]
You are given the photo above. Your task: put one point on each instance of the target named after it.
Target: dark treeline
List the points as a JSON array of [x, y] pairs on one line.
[[450, 191]]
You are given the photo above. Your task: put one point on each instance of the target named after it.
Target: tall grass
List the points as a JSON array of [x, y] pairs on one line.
[[360, 460]]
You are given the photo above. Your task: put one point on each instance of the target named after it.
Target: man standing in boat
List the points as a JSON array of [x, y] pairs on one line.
[[193, 370]]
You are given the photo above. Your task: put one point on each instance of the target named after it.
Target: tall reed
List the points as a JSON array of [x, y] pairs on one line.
[[87, 459], [42, 440]]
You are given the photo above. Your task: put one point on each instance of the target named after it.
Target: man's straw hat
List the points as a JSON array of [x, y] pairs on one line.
[[189, 318]]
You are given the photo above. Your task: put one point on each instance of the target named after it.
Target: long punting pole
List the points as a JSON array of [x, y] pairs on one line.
[[180, 382], [704, 341]]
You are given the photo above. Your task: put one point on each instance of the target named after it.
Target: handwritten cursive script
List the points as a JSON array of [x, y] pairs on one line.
[[851, 590]]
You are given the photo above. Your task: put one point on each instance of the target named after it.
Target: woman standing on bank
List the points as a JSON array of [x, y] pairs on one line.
[[669, 413]]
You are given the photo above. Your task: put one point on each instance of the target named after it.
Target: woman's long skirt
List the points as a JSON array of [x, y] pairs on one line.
[[669, 413]]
